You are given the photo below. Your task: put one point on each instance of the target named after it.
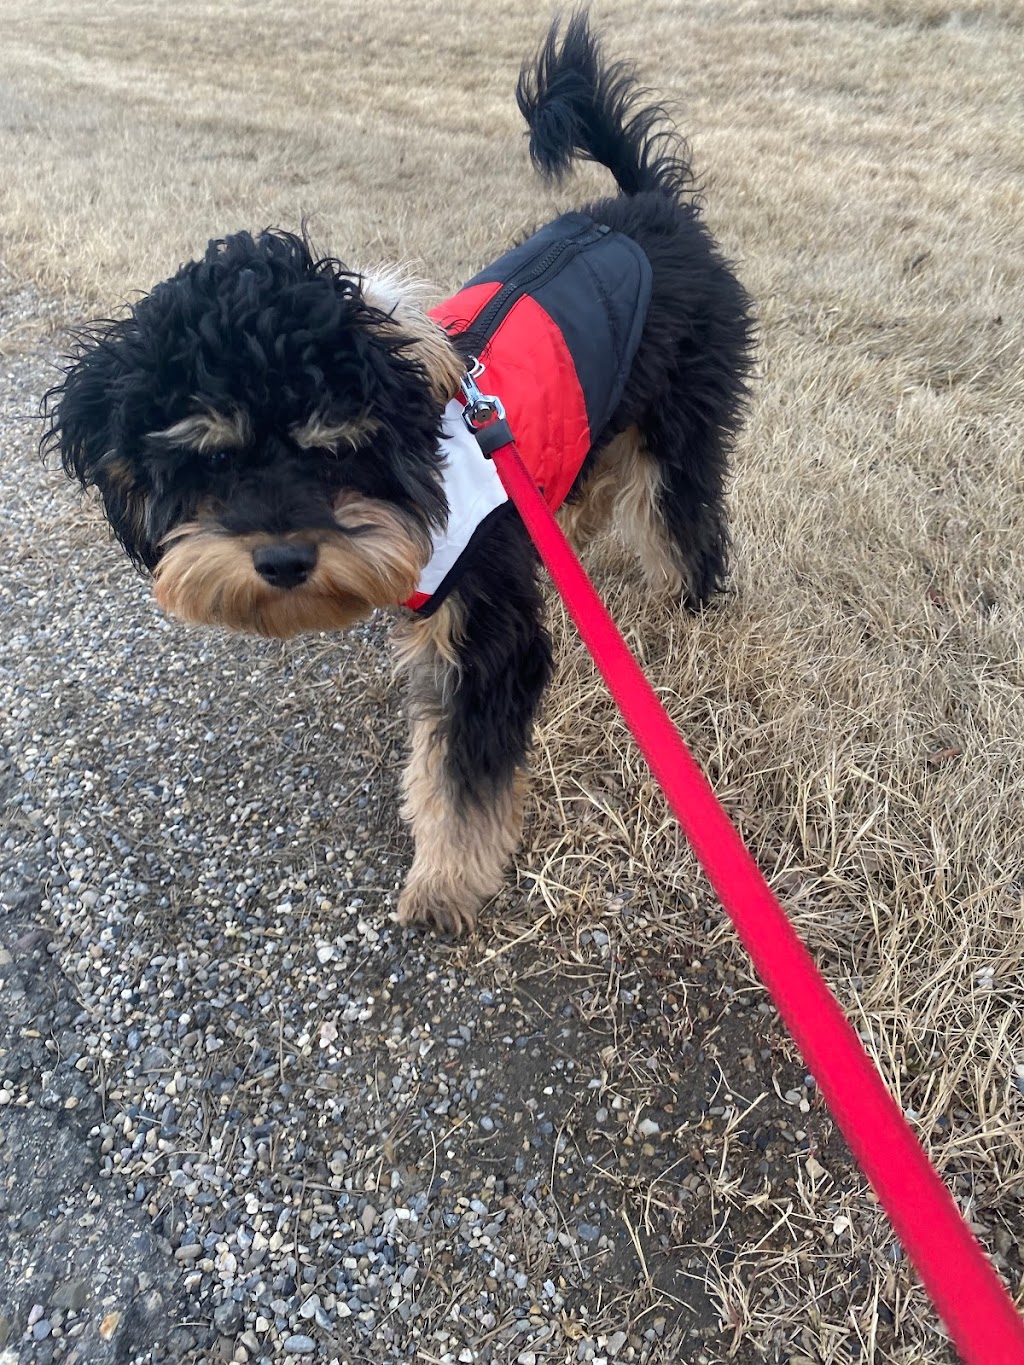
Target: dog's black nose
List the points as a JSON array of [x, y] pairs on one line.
[[286, 564]]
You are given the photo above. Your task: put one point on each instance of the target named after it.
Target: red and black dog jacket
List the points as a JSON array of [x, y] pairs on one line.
[[557, 322]]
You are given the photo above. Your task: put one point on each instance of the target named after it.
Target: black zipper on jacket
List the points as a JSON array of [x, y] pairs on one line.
[[491, 315]]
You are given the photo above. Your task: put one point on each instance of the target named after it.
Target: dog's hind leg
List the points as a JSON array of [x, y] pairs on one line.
[[591, 506], [624, 487], [627, 468], [477, 671], [686, 465]]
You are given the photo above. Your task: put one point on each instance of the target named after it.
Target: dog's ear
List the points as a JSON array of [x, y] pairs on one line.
[[85, 417]]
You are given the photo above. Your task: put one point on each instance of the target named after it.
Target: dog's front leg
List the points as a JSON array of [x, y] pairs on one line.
[[477, 671]]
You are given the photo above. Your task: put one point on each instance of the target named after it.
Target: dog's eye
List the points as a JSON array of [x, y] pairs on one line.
[[217, 459]]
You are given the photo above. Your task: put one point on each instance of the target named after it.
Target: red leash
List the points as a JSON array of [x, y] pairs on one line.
[[965, 1289]]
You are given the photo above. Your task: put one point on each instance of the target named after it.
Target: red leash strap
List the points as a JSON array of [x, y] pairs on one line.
[[965, 1289]]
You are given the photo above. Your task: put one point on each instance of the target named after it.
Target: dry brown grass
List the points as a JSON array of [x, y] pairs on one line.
[[859, 701]]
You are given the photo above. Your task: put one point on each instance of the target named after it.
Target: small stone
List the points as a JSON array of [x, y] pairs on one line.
[[228, 1317], [72, 1294], [1003, 1240], [109, 1325], [41, 1329], [589, 1232], [814, 1169], [298, 1345]]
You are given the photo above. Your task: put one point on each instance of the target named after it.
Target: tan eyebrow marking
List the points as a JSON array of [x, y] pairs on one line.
[[208, 431], [318, 432]]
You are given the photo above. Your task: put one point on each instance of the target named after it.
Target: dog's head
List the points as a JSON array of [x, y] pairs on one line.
[[263, 429]]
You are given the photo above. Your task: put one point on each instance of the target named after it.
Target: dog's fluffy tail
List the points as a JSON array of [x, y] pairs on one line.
[[577, 105]]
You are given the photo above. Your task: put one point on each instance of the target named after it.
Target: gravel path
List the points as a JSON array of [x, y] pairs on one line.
[[243, 1115]]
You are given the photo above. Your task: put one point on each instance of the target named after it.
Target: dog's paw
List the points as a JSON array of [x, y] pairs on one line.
[[423, 906]]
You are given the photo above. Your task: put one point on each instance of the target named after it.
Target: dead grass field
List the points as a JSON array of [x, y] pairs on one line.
[[858, 701]]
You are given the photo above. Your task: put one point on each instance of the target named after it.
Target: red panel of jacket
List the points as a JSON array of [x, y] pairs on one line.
[[528, 365]]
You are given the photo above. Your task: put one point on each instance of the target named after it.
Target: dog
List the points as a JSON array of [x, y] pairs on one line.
[[277, 440]]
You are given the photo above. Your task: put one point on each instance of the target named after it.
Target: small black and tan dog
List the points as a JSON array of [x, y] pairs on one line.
[[276, 440]]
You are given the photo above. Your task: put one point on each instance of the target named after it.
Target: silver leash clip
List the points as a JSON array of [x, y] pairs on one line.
[[482, 409]]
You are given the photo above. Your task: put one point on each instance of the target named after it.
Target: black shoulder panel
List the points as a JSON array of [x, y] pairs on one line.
[[595, 285]]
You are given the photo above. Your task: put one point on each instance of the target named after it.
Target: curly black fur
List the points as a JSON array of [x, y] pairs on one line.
[[262, 327], [578, 105], [506, 664]]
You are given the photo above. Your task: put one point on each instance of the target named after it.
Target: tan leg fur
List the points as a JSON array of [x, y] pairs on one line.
[[462, 845]]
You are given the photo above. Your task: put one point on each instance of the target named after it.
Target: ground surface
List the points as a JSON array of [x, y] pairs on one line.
[[242, 1115], [273, 1105]]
